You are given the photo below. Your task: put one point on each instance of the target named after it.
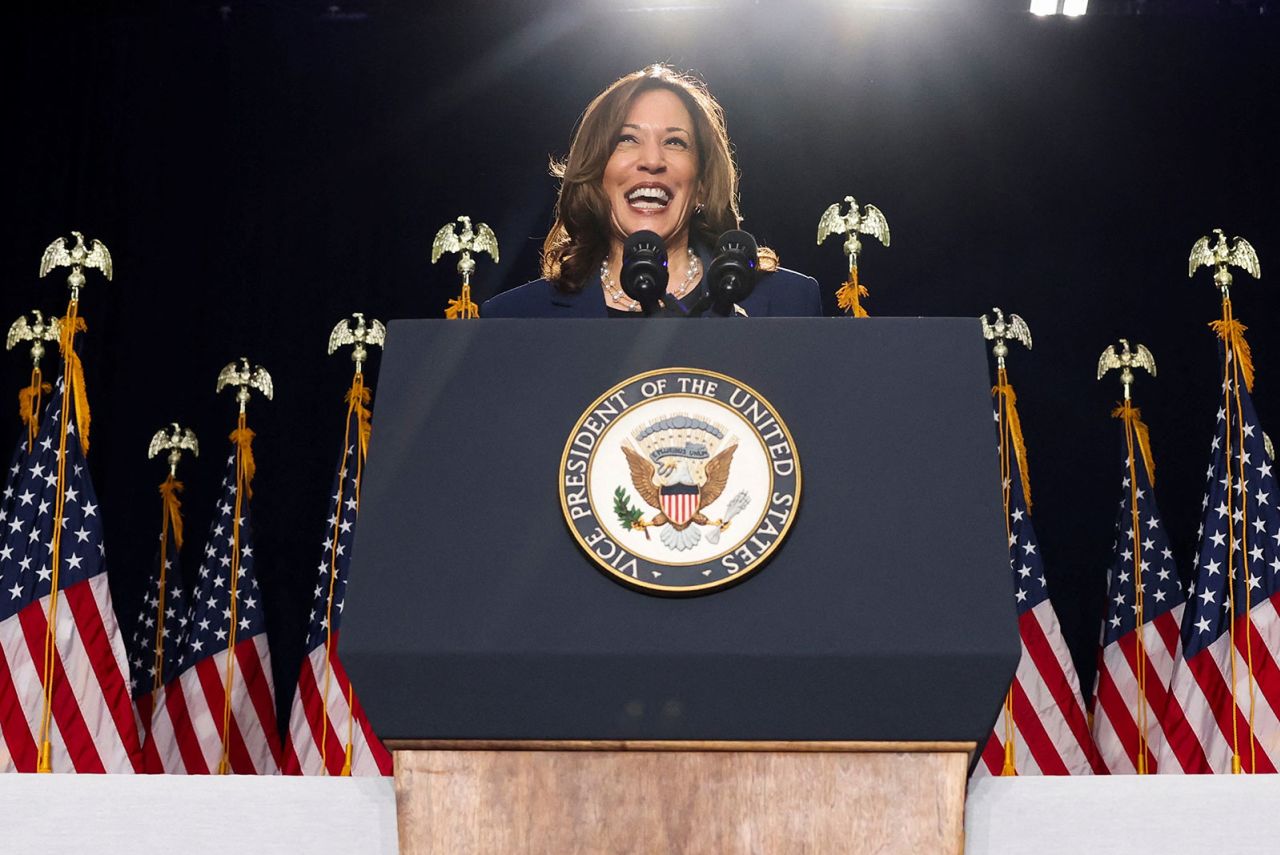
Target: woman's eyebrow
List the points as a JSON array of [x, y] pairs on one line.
[[634, 126]]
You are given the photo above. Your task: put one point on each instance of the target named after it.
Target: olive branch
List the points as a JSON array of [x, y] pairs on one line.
[[630, 517]]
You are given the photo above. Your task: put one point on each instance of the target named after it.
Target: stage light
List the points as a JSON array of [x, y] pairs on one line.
[[1074, 7], [1044, 7]]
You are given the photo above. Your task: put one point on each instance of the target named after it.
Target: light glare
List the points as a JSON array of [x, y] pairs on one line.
[[1075, 7], [1044, 7]]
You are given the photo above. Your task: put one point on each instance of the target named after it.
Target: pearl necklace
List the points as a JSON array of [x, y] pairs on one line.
[[692, 274]]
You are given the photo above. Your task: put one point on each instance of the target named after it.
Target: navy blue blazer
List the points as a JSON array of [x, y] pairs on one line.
[[782, 293]]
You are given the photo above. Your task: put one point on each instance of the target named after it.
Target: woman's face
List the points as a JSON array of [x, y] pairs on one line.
[[651, 178]]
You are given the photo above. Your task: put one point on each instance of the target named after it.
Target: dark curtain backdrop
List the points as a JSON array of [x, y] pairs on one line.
[[260, 170]]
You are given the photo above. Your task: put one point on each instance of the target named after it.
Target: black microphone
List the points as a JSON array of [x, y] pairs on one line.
[[732, 275], [644, 271]]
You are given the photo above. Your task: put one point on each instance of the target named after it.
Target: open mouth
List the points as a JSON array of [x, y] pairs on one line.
[[648, 198]]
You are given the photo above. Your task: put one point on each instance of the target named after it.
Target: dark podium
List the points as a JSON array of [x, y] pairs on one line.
[[537, 704]]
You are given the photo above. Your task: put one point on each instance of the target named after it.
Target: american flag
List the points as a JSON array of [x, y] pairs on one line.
[[160, 629], [1131, 690], [1223, 707], [91, 727], [192, 710], [326, 719], [1043, 718]]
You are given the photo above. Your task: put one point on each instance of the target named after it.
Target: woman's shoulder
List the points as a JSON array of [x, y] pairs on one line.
[[529, 300], [785, 293]]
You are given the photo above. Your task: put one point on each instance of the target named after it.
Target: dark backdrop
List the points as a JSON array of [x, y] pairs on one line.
[[261, 170]]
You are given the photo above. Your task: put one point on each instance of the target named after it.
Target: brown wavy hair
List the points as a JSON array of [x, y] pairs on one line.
[[579, 237]]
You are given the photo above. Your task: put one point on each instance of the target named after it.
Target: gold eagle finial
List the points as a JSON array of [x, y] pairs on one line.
[[37, 331], [1127, 360], [868, 221], [244, 378], [1001, 330], [77, 258], [448, 239], [363, 335], [1222, 254], [175, 439]]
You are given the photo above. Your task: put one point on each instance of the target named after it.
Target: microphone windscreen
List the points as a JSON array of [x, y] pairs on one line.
[[736, 240], [643, 241]]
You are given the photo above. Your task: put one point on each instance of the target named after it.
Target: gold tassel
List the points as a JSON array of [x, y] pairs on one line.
[[462, 307], [1133, 416], [169, 491], [1232, 332], [1015, 431], [76, 378], [359, 396], [848, 296], [29, 404], [243, 437], [1009, 768]]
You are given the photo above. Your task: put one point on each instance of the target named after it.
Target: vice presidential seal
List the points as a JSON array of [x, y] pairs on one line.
[[679, 481]]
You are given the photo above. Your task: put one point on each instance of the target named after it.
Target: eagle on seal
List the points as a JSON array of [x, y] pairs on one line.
[[679, 492]]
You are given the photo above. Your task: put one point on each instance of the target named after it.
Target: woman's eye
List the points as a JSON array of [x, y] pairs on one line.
[[626, 138], [678, 141]]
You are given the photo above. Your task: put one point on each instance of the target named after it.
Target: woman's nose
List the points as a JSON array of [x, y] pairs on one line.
[[652, 157]]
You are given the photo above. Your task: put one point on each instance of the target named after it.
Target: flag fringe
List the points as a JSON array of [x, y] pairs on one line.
[[1232, 332], [169, 491], [29, 403], [1133, 416], [243, 438], [1005, 390], [848, 295], [71, 325], [358, 397]]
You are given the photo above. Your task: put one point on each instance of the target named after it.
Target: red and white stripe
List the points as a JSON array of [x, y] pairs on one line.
[[92, 727], [1049, 723], [679, 507], [1116, 693], [316, 746], [1202, 725], [186, 724]]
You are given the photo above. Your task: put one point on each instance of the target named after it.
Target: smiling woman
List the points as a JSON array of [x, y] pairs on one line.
[[650, 153]]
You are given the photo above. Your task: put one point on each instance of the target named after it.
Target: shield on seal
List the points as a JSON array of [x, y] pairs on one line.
[[679, 502]]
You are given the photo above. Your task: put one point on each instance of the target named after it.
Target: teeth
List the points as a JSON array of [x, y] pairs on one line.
[[655, 193]]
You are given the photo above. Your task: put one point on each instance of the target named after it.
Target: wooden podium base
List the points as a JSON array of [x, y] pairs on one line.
[[653, 798]]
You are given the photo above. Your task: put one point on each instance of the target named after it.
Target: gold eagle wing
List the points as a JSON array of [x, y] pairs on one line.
[[717, 477], [1143, 358], [485, 241], [1108, 360], [831, 223], [642, 477], [446, 241], [1201, 256], [1018, 330], [341, 335], [100, 258], [873, 223], [1243, 256], [55, 255], [19, 330]]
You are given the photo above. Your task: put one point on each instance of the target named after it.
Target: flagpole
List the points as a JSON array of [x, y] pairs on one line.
[[1140, 653], [175, 442], [354, 399], [240, 375], [1232, 332], [49, 659], [77, 258], [1010, 767], [240, 436]]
